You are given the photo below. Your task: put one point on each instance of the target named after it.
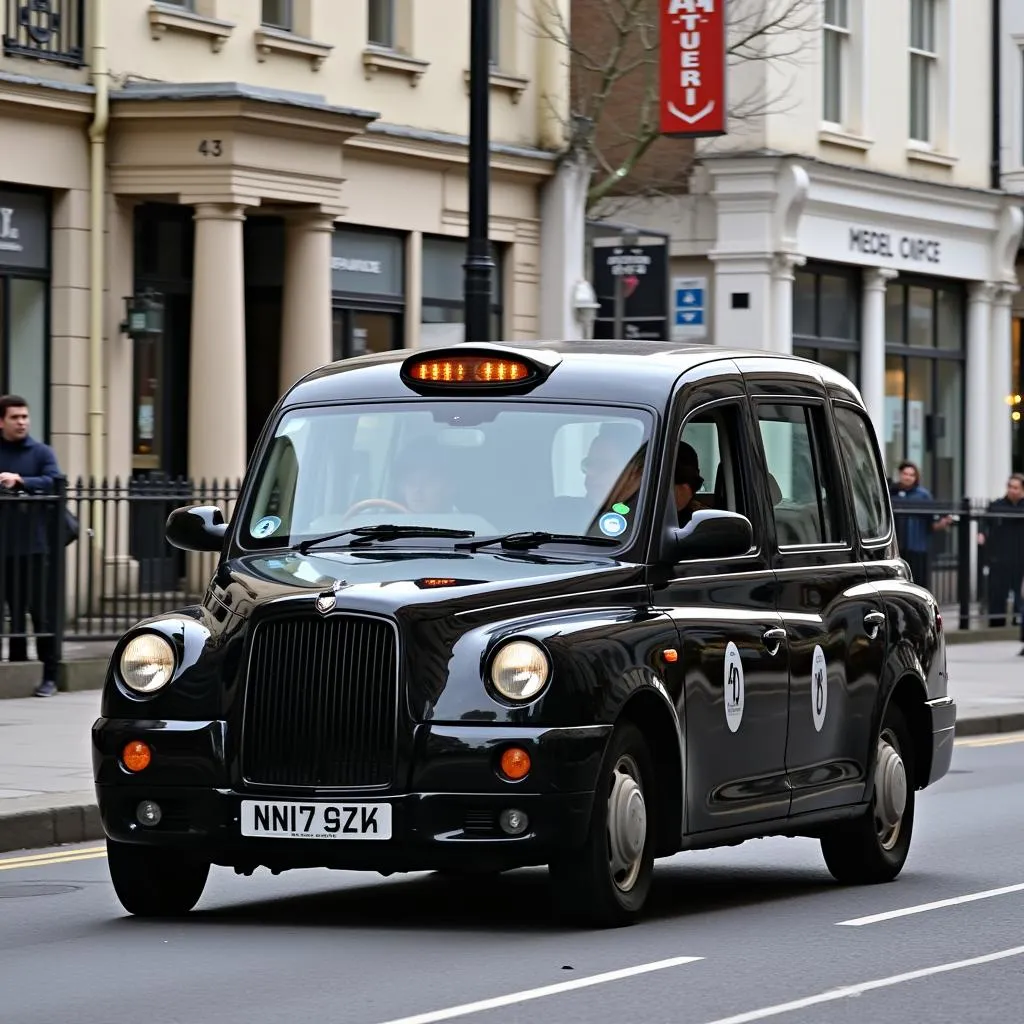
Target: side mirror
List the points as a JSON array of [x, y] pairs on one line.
[[711, 534], [196, 528]]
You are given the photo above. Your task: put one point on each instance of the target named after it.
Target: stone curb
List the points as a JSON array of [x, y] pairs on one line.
[[56, 819], [21, 679]]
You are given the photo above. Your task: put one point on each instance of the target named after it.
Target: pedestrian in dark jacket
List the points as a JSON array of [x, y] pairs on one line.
[[914, 529], [1003, 540], [27, 467]]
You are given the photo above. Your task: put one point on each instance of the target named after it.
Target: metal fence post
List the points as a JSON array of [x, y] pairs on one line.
[[60, 570], [964, 562]]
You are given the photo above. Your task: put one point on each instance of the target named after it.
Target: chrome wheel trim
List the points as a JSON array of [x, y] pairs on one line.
[[626, 825], [891, 792]]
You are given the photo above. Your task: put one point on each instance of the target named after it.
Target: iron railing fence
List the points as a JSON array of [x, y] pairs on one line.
[[118, 567]]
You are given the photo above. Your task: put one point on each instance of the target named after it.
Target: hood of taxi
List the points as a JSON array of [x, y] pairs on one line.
[[385, 581]]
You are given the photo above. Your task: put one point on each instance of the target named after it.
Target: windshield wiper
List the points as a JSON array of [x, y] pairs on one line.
[[383, 531], [532, 539]]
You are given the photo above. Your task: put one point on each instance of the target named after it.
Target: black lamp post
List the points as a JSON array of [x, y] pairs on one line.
[[479, 266]]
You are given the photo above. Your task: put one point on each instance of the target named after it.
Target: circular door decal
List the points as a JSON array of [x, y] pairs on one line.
[[734, 690], [819, 688]]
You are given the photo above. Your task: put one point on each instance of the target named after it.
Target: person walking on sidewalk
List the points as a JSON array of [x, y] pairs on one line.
[[1003, 541], [27, 466], [914, 529]]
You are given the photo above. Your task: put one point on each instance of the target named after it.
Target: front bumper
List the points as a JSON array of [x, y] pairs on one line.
[[445, 811], [942, 715]]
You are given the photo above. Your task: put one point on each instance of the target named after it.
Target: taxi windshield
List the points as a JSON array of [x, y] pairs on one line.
[[488, 468]]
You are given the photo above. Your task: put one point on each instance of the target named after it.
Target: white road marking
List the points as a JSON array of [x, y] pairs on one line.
[[539, 993], [866, 986], [953, 901]]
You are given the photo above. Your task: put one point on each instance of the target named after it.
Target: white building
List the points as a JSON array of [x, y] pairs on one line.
[[859, 226], [1010, 68]]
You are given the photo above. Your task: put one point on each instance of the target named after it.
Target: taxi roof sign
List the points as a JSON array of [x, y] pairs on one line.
[[476, 367]]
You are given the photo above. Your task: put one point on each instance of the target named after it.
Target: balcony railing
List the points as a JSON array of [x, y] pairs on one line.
[[51, 30]]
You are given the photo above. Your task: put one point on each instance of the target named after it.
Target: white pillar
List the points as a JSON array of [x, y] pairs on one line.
[[782, 302], [979, 325], [306, 302], [216, 405], [563, 217], [413, 288], [872, 351], [1000, 447], [743, 300]]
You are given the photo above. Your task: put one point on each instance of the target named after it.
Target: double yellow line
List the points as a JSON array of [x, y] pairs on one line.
[[42, 860], [990, 741]]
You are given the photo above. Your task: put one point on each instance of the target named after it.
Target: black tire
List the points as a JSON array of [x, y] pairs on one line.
[[584, 887], [151, 882], [862, 851]]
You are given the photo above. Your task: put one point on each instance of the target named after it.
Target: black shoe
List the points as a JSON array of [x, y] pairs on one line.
[[47, 688]]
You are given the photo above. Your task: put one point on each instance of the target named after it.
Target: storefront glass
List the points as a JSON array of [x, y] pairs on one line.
[[1017, 376], [924, 382], [826, 320], [368, 281], [24, 302], [443, 318]]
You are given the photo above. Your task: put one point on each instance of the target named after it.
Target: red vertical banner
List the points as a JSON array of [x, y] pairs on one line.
[[693, 68]]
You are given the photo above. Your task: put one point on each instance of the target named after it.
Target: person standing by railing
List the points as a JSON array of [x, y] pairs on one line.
[[914, 529], [27, 466], [1003, 539]]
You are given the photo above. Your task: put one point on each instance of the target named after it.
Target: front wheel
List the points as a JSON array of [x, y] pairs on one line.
[[874, 847], [155, 883], [606, 882]]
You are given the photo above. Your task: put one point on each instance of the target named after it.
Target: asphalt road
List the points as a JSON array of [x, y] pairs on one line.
[[763, 924]]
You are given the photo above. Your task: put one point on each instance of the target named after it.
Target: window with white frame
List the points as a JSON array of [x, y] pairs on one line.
[[923, 60], [835, 58], [495, 43], [381, 25], [277, 14]]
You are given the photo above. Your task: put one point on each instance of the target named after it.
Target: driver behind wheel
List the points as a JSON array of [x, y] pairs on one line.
[[424, 479]]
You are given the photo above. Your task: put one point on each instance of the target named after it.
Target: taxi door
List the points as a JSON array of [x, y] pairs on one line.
[[832, 616], [732, 653]]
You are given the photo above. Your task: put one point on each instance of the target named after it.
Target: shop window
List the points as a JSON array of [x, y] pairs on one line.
[[26, 345], [1017, 376], [924, 382], [826, 318], [443, 315], [495, 42]]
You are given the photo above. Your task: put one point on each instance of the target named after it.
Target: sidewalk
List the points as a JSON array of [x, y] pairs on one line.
[[46, 794]]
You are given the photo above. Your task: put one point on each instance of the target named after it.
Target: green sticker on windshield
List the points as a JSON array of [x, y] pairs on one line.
[[620, 508]]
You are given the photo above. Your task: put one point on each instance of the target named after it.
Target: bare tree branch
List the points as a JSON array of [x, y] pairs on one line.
[[613, 58]]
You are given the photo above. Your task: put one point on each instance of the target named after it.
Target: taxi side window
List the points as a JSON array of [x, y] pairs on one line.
[[803, 490], [867, 481], [714, 437]]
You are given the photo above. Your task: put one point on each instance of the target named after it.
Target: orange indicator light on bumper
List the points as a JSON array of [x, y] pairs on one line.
[[136, 756], [515, 763]]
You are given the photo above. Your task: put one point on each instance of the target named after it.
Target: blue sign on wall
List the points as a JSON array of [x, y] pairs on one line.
[[689, 306]]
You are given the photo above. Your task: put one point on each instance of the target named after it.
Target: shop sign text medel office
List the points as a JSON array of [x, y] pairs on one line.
[[693, 65]]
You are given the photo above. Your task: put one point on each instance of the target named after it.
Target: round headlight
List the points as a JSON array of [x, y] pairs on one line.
[[520, 670], [147, 663]]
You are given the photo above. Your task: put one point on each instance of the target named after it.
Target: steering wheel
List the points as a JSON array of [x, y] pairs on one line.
[[366, 503]]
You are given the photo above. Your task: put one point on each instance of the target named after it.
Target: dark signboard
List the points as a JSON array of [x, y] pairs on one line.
[[641, 268]]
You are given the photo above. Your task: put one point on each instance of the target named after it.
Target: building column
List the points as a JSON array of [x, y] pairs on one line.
[[872, 357], [306, 332], [743, 294], [978, 388], [217, 423], [413, 288], [1000, 447], [782, 301]]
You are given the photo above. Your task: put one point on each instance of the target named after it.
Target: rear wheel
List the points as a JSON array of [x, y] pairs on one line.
[[874, 847], [151, 882], [607, 880]]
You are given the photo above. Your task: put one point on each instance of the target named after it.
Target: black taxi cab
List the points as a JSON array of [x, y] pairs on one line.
[[582, 605]]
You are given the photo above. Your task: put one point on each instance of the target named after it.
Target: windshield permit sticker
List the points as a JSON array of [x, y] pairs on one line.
[[265, 527], [620, 508], [612, 524]]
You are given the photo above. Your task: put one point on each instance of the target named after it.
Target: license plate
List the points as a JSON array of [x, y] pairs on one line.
[[294, 820]]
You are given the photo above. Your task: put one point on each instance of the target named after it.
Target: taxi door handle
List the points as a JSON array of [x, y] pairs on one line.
[[773, 640], [873, 622]]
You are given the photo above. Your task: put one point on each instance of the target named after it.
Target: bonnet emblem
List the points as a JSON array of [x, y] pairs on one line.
[[329, 598]]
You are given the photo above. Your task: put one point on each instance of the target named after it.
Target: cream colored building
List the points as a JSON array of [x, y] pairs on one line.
[[288, 177], [853, 218]]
